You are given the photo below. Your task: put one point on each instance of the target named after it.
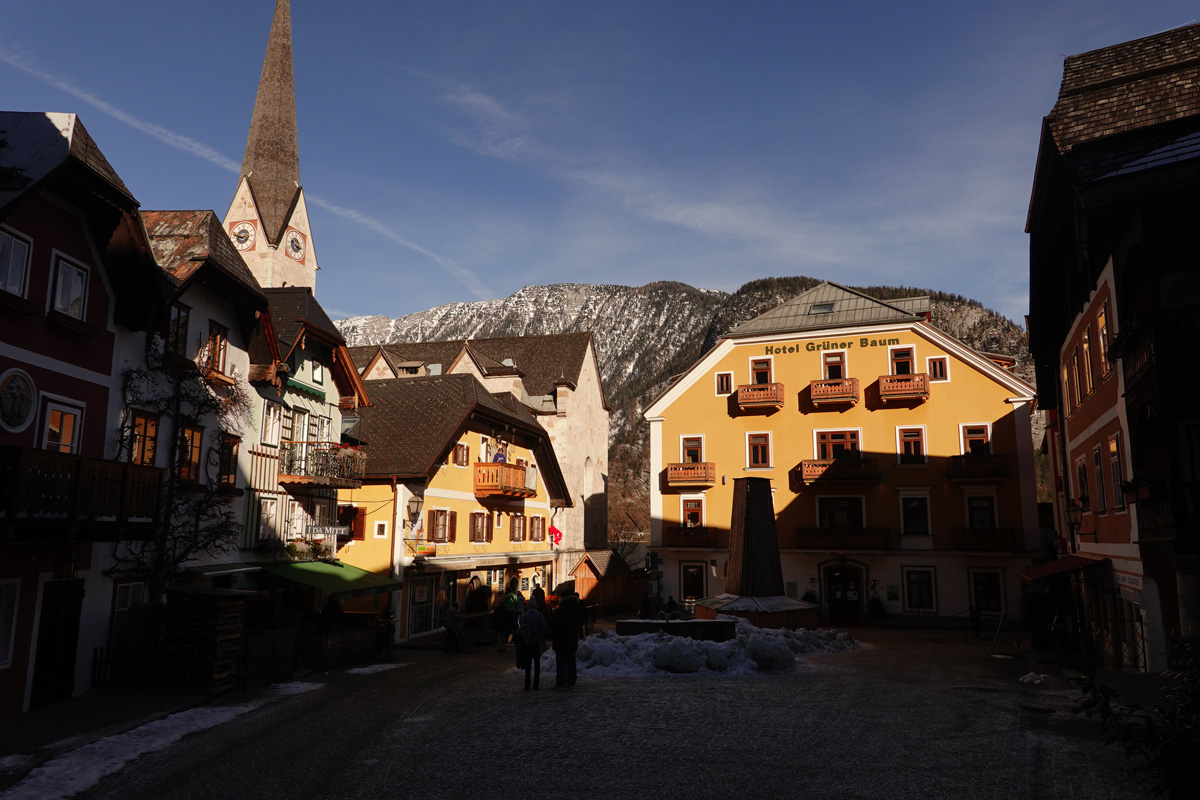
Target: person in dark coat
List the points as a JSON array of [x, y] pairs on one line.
[[564, 633], [531, 645]]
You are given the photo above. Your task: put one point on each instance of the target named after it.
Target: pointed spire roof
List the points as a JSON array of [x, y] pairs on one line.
[[272, 159], [829, 305]]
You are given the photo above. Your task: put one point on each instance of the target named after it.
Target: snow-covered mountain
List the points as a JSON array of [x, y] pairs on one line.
[[646, 334]]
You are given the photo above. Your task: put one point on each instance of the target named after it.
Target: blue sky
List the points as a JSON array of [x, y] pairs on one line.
[[457, 151]]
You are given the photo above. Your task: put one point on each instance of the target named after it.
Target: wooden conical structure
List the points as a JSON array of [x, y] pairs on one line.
[[754, 568]]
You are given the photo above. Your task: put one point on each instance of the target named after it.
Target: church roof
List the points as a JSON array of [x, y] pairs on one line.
[[829, 305], [271, 163]]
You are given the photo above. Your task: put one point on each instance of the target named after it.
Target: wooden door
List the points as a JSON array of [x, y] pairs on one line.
[[691, 581], [57, 642], [843, 593]]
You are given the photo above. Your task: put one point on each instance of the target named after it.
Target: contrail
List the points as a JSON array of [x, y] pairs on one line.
[[204, 152]]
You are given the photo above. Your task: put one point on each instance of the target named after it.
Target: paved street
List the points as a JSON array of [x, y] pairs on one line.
[[916, 715]]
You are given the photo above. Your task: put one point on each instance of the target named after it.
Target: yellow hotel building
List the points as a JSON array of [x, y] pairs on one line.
[[436, 510], [901, 460]]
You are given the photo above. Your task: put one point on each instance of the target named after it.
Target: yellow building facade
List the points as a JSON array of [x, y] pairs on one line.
[[900, 460]]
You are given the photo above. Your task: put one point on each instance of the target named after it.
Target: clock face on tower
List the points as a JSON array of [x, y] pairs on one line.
[[242, 234], [293, 243]]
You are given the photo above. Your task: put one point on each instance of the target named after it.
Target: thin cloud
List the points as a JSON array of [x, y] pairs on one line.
[[204, 152]]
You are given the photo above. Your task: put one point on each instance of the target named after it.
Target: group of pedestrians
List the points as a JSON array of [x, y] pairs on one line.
[[532, 624]]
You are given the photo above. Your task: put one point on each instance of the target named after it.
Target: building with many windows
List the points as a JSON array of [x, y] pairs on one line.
[[900, 460]]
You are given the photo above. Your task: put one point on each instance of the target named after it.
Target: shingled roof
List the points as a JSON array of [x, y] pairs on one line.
[[292, 307], [184, 241], [413, 422], [829, 305], [1129, 86]]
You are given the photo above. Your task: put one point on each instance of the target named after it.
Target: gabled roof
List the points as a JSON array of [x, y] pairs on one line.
[[1128, 86], [271, 163], [604, 563], [294, 307], [183, 242], [829, 305], [413, 422]]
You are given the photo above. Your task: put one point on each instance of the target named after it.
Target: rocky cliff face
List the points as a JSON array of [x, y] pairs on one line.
[[646, 334]]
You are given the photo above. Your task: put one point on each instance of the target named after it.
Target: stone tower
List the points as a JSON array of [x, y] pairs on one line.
[[268, 219]]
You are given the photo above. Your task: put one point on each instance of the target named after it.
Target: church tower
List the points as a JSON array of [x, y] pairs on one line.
[[268, 219]]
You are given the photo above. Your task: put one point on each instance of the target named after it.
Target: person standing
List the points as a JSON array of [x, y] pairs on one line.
[[531, 642], [454, 623], [564, 633]]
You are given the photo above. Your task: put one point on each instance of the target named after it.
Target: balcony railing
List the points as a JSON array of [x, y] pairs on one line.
[[39, 486], [842, 538], [835, 390], [695, 537], [996, 539], [1156, 521], [321, 464], [507, 480], [977, 467], [846, 468], [702, 473], [904, 387], [760, 395]]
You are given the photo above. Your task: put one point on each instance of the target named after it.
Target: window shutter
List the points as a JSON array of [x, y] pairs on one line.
[[512, 527], [452, 526], [488, 526], [358, 526], [430, 522]]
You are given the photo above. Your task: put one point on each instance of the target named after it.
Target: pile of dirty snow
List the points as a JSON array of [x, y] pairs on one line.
[[753, 652]]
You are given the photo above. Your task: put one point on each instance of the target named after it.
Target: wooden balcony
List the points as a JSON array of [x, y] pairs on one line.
[[324, 464], [90, 498], [760, 395], [504, 480], [980, 539], [695, 537], [837, 391], [702, 473], [847, 469], [977, 467], [904, 387], [841, 538]]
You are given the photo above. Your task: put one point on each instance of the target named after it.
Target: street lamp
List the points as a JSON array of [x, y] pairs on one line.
[[414, 509], [1074, 521]]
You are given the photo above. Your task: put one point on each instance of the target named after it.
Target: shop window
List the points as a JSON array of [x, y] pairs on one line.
[[144, 441], [920, 593], [840, 512], [724, 383], [190, 441], [70, 289], [837, 444], [833, 366], [177, 330], [693, 449], [912, 445], [760, 450], [63, 425], [902, 361], [14, 263]]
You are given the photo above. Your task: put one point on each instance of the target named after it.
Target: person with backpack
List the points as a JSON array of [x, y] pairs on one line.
[[530, 640]]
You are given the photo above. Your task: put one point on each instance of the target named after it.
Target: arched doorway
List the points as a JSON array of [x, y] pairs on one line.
[[844, 592]]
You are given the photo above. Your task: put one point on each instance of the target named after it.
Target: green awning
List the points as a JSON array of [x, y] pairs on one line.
[[304, 387], [340, 580]]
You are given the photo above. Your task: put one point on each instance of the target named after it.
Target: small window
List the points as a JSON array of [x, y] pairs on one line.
[[976, 440], [70, 289], [318, 372], [981, 512], [228, 462], [272, 415], [833, 365], [914, 515], [144, 441], [693, 449], [938, 368], [1117, 471], [190, 441], [14, 263], [837, 444], [381, 528], [912, 445], [724, 383], [693, 513], [820, 308], [17, 400], [1098, 471], [62, 428], [920, 593], [177, 330], [902, 361], [218, 340], [760, 371], [462, 454], [760, 450]]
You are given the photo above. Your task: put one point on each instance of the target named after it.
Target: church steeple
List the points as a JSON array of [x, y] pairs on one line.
[[268, 220]]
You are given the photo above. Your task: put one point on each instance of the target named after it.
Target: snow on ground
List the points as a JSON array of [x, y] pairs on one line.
[[371, 670], [754, 651]]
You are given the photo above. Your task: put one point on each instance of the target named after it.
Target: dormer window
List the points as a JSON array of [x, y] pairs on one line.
[[821, 308], [318, 372]]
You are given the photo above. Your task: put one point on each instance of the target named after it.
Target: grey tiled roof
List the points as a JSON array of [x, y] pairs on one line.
[[835, 306], [1129, 86]]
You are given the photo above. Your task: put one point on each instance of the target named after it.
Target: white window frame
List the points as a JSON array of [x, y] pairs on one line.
[[916, 541], [703, 445], [962, 436], [54, 402], [10, 601], [750, 366], [816, 446], [60, 261], [845, 363], [717, 384], [381, 529], [272, 423], [770, 451], [26, 245], [683, 509], [318, 372], [933, 583], [929, 372], [268, 518], [971, 571], [900, 445], [892, 365]]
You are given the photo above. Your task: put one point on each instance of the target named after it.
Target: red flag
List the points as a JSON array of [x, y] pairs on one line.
[[555, 535]]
